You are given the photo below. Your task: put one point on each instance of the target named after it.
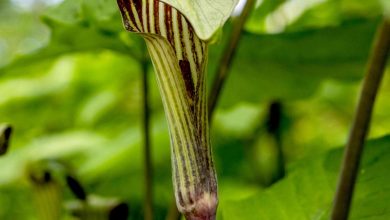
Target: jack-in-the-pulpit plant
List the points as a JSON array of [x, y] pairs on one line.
[[179, 57]]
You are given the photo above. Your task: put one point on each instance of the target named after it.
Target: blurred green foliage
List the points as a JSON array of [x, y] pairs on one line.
[[307, 192], [70, 85]]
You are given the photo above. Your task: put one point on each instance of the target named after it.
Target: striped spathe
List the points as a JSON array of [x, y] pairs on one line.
[[179, 58]]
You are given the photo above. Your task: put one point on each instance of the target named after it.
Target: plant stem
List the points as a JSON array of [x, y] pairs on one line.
[[227, 57], [147, 147], [354, 148]]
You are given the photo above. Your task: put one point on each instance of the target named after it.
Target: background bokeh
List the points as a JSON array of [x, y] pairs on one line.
[[70, 84]]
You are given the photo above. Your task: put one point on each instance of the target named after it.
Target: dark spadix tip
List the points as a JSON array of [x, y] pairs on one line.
[[119, 212], [41, 178], [5, 135], [76, 187]]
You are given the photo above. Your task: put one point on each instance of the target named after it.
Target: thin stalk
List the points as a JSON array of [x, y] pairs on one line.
[[354, 148], [147, 147], [227, 57]]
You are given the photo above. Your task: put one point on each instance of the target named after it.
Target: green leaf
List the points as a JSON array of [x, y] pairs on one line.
[[334, 12], [80, 26], [257, 20], [276, 66], [286, 16], [307, 192], [205, 16], [364, 8]]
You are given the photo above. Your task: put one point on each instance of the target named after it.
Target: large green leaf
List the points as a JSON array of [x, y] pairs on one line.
[[307, 191], [290, 66], [205, 16], [81, 26], [281, 16], [333, 12]]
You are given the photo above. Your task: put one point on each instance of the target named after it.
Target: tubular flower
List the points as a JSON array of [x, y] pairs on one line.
[[179, 57]]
